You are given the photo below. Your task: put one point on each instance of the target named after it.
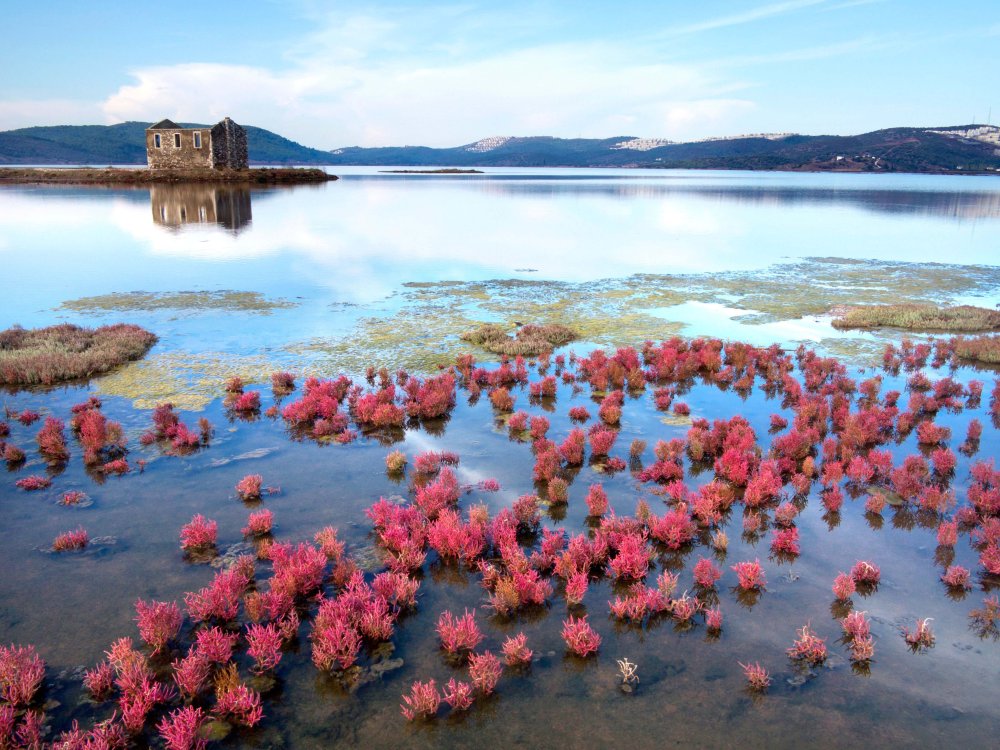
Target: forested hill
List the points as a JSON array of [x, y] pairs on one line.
[[101, 145]]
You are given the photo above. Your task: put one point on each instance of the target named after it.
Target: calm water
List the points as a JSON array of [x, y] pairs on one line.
[[342, 252]]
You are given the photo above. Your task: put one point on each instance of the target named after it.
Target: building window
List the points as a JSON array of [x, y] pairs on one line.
[[156, 140], [177, 140], [197, 139]]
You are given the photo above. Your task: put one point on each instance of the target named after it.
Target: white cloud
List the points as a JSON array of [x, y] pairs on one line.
[[590, 90]]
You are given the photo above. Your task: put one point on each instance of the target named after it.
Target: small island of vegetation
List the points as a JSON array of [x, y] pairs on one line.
[[45, 356], [920, 317], [448, 170]]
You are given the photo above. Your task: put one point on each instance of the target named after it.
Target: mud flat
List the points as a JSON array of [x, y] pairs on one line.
[[114, 176]]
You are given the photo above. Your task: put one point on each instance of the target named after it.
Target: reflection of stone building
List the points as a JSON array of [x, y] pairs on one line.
[[174, 205], [223, 146]]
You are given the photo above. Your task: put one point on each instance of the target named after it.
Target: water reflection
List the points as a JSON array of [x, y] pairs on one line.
[[176, 205], [960, 204]]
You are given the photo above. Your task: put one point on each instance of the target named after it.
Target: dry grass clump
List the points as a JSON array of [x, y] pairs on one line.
[[979, 348], [920, 317], [528, 340], [43, 356]]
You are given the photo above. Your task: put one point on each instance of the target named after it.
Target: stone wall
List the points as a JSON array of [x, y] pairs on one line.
[[229, 145], [169, 156]]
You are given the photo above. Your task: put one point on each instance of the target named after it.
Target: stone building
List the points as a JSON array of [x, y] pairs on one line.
[[223, 146]]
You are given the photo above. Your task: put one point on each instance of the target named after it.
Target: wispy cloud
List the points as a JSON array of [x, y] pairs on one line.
[[747, 16], [851, 4], [819, 52]]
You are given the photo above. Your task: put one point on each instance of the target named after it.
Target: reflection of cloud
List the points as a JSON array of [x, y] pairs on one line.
[[360, 238]]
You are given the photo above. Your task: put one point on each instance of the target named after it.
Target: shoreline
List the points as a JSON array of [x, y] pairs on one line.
[[119, 176]]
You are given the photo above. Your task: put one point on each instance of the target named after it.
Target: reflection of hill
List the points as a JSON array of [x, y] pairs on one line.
[[958, 204], [175, 205]]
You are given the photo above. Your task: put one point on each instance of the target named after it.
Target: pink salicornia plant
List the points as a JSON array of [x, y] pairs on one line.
[[866, 573], [249, 487], [422, 702], [71, 540], [259, 523], [21, 674], [458, 695], [485, 670], [264, 645], [158, 622], [956, 577], [843, 587], [458, 633], [713, 619], [33, 482], [240, 704], [100, 680], [921, 637], [758, 678], [180, 729], [808, 647], [515, 650], [705, 573], [201, 533], [750, 575], [580, 638], [191, 674]]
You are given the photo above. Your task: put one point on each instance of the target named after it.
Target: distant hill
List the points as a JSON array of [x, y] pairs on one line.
[[952, 149], [101, 145], [964, 148]]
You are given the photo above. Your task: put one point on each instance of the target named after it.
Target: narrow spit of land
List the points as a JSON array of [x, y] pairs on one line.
[[113, 176], [448, 170]]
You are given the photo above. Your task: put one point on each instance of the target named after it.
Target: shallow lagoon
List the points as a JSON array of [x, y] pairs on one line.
[[336, 258]]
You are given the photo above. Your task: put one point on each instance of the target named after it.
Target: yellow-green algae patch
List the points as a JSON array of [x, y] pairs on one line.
[[423, 331], [419, 339], [190, 301], [188, 381]]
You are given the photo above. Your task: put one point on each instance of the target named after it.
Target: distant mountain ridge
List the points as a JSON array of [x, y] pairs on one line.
[[125, 143], [962, 148], [949, 149]]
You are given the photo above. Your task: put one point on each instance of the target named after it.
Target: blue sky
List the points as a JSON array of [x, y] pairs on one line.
[[331, 74]]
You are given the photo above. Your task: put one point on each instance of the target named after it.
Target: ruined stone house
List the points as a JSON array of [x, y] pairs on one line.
[[222, 146]]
